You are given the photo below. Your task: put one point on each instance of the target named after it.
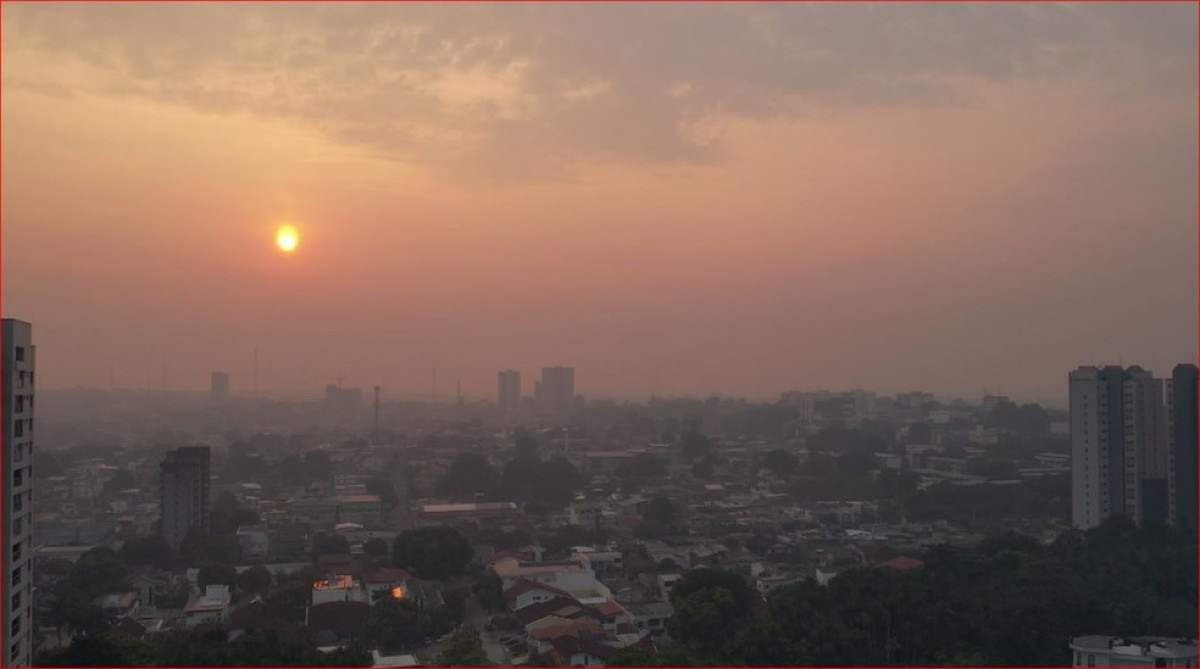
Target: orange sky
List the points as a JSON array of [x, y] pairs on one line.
[[741, 199]]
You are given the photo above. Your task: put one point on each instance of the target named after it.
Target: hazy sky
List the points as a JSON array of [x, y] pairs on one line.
[[739, 198]]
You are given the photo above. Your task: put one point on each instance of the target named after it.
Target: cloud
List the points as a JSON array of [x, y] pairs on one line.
[[506, 90]]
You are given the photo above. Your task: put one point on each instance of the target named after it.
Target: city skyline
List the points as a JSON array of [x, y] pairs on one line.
[[979, 199]]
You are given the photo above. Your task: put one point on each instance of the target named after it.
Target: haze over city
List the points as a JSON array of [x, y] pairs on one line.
[[742, 199]]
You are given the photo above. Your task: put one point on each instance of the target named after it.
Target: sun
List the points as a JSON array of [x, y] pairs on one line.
[[287, 238]]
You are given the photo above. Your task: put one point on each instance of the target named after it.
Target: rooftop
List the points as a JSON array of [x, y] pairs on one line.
[[1144, 646], [339, 582], [468, 507]]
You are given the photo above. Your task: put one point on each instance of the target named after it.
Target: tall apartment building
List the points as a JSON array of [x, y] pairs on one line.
[[183, 493], [1144, 441], [219, 388], [1125, 453], [17, 502], [1181, 402], [557, 392], [508, 388]]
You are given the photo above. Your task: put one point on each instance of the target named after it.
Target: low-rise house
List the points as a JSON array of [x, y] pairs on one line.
[[567, 575], [117, 604], [254, 542], [391, 580], [614, 618], [901, 563], [571, 651], [525, 593], [339, 588], [650, 616], [1151, 651], [602, 563], [380, 660], [364, 510], [665, 582], [211, 607]]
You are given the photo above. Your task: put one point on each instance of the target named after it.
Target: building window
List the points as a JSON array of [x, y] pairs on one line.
[[1091, 659], [18, 477], [18, 503], [19, 428], [20, 354], [17, 527], [16, 626], [20, 403], [16, 576], [16, 553], [16, 602], [14, 651]]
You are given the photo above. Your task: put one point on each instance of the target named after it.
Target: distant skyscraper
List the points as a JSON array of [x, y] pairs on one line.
[[18, 352], [1181, 445], [219, 388], [1119, 456], [342, 399], [183, 491], [508, 398], [558, 392]]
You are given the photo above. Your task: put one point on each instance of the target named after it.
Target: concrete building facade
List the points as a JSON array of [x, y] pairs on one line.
[[17, 503], [183, 493]]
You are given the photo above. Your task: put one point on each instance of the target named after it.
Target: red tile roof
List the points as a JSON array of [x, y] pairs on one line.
[[902, 563]]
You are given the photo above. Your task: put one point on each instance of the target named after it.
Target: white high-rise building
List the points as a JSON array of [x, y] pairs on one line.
[[1118, 446], [1089, 448], [18, 386]]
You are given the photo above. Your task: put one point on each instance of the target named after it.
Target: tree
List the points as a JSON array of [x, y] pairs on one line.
[[463, 648], [469, 475], [97, 572], [488, 590], [375, 548], [198, 547], [561, 539], [216, 574], [640, 656], [227, 515], [254, 580], [380, 485], [696, 445], [642, 468], [780, 463], [525, 445], [551, 483], [710, 605], [121, 480], [146, 550], [393, 624], [659, 510], [329, 543], [175, 596], [432, 552]]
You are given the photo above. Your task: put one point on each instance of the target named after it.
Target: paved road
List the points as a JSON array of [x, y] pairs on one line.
[[475, 616]]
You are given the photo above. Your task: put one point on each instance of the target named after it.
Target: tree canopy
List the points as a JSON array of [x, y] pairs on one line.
[[432, 552]]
